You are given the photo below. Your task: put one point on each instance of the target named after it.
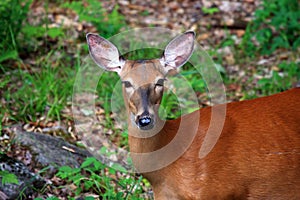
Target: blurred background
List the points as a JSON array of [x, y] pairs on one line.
[[254, 44]]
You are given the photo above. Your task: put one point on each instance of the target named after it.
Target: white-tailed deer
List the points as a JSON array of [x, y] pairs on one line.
[[257, 155]]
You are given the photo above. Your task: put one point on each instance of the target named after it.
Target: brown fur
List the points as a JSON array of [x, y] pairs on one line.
[[256, 157]]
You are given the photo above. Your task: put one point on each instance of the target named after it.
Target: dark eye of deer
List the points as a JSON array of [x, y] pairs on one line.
[[160, 82], [127, 84]]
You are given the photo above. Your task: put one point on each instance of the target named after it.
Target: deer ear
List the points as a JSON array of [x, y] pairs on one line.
[[178, 51], [104, 53]]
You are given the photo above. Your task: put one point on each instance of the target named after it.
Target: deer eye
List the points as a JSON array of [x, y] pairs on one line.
[[127, 84], [160, 82]]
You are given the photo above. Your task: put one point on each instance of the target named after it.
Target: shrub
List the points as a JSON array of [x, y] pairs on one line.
[[276, 25]]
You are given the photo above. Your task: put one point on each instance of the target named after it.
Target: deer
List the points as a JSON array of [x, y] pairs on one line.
[[257, 155]]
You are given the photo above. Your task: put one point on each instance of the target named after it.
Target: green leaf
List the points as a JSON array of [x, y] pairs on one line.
[[55, 32], [33, 31], [263, 81], [8, 178], [88, 161], [296, 43], [67, 172], [12, 54], [118, 167], [98, 165], [210, 11]]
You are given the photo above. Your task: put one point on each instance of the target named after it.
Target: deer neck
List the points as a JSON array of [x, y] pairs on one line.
[[148, 141]]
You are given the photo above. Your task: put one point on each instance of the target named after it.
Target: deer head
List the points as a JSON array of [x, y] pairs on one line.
[[143, 80]]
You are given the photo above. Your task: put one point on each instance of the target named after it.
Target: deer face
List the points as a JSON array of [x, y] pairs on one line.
[[143, 85], [143, 80]]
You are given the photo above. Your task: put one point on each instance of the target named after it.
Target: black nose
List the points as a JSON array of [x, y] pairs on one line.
[[145, 122]]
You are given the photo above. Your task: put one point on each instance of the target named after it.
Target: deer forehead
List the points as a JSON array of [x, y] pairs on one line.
[[142, 72]]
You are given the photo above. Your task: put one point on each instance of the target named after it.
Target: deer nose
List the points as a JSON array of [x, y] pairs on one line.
[[145, 122]]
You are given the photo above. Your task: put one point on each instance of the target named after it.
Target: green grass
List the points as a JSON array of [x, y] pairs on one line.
[[29, 96], [12, 15], [91, 11]]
